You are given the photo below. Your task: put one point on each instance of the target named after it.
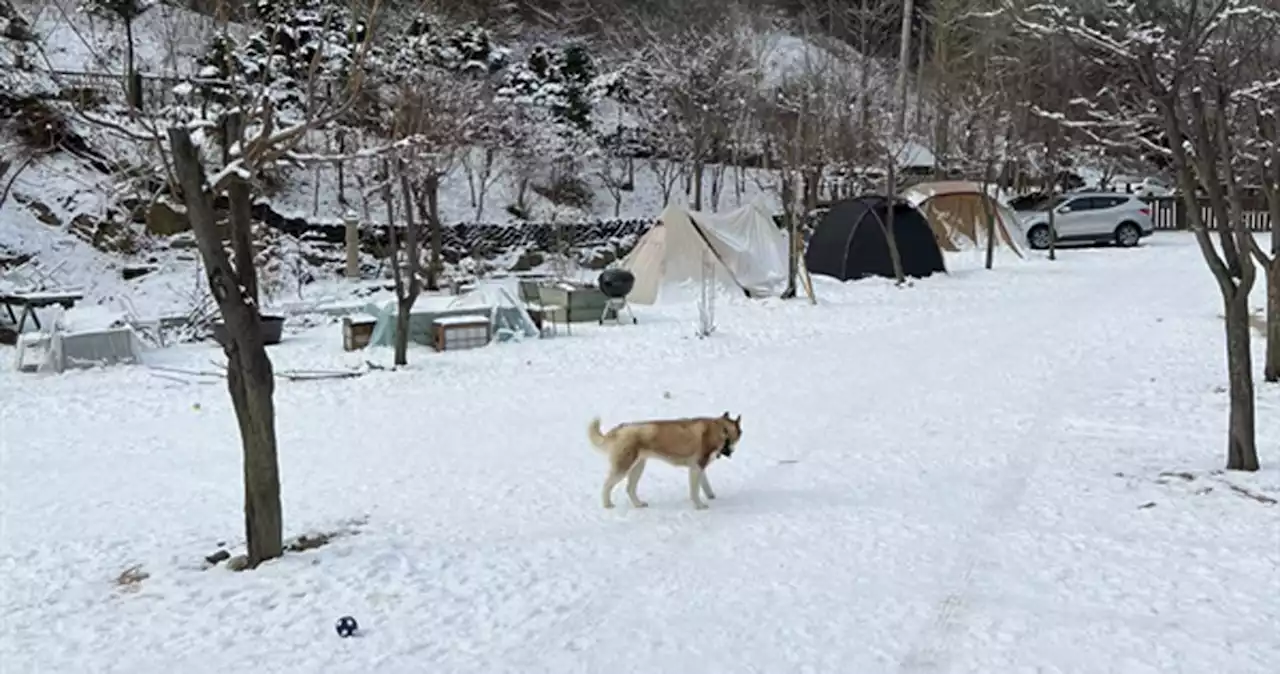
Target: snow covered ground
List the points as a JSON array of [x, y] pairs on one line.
[[962, 476]]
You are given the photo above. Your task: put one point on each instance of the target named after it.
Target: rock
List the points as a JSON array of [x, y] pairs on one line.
[[41, 212], [86, 226], [238, 563], [217, 557], [136, 271], [183, 243], [307, 542], [528, 260], [10, 259], [163, 220], [601, 259]]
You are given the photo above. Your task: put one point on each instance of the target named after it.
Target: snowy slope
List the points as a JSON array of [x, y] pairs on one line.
[[963, 476], [167, 39]]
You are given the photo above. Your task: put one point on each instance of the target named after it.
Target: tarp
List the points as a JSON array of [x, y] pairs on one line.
[[77, 350], [746, 249], [508, 316]]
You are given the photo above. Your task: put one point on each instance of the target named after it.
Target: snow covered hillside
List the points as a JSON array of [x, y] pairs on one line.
[[987, 472]]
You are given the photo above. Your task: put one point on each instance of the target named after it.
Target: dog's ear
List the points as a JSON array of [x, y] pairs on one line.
[[726, 415], [737, 421]]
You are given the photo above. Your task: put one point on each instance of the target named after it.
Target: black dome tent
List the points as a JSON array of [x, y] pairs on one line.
[[849, 242]]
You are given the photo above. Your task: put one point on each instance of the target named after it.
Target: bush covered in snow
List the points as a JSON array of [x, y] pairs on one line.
[[467, 49], [559, 80], [295, 41]]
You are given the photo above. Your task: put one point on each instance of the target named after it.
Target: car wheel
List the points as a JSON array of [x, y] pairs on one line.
[[1128, 234], [1039, 237]]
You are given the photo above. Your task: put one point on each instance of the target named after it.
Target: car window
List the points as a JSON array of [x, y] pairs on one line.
[[1077, 205]]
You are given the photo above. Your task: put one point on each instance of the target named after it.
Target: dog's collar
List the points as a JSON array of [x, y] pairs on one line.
[[726, 450]]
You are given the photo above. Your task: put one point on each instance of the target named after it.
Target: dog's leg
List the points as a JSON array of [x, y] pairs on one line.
[[695, 481], [633, 479], [706, 486], [615, 476]]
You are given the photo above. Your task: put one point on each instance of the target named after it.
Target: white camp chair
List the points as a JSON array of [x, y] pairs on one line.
[[533, 299]]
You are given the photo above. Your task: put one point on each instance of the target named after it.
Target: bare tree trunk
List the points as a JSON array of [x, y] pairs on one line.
[[919, 107], [789, 218], [1053, 190], [471, 178], [739, 183], [942, 110], [400, 339], [904, 60], [988, 213], [717, 185], [132, 89], [1271, 370], [250, 376], [486, 180], [890, 233], [522, 191], [435, 266], [241, 213], [1242, 451], [699, 167], [407, 289], [864, 72]]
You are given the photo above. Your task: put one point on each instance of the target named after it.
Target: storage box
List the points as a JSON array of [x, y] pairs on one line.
[[357, 331], [450, 333]]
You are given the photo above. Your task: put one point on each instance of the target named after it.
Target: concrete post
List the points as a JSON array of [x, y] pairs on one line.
[[353, 245]]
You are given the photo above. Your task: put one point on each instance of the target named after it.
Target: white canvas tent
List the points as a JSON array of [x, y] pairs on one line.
[[745, 248]]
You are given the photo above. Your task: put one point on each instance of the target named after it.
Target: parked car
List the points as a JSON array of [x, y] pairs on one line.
[[1095, 217]]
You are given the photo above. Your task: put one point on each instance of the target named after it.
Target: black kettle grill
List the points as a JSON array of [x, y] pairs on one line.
[[615, 285]]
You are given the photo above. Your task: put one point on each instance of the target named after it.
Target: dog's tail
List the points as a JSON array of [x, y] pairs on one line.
[[593, 432]]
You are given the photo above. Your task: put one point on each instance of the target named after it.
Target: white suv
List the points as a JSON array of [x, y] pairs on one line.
[[1095, 217]]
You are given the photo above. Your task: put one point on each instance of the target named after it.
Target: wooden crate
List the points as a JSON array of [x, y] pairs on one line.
[[450, 333], [357, 331]]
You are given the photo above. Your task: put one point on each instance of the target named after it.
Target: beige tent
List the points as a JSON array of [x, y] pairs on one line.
[[957, 212], [744, 247]]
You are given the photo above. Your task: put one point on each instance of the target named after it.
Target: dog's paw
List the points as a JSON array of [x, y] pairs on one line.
[[710, 495], [640, 504], [608, 506], [701, 506]]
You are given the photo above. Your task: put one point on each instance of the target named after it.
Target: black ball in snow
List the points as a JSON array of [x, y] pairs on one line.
[[346, 626]]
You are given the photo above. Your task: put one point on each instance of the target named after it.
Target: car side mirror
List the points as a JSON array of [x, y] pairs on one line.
[[1064, 209]]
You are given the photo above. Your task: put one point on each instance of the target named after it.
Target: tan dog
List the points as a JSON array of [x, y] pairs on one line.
[[692, 443]]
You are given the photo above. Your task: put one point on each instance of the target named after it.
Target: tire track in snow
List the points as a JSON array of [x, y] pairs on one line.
[[931, 650]]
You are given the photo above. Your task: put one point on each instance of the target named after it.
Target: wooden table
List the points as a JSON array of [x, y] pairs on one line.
[[36, 300]]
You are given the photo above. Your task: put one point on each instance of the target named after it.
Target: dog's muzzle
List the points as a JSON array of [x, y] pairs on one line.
[[727, 450]]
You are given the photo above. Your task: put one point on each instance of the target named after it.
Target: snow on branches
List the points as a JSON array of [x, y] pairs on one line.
[[1154, 62], [468, 49]]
